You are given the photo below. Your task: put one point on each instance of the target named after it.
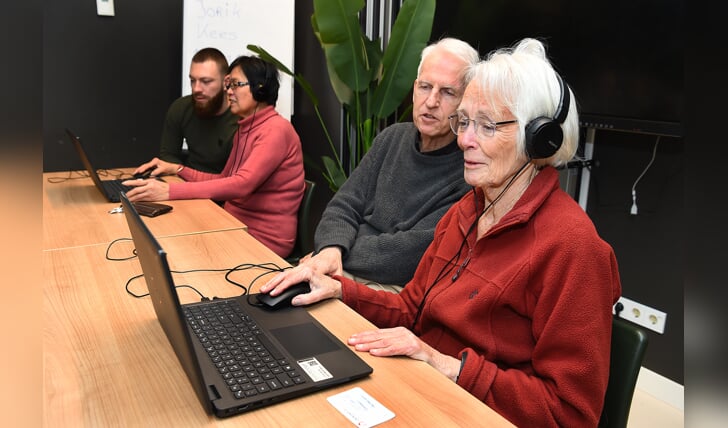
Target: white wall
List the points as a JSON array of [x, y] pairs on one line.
[[231, 25]]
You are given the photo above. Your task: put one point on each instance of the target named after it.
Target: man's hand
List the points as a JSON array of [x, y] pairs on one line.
[[326, 262]]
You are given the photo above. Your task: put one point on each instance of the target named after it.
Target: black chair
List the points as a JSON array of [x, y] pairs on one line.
[[304, 235], [629, 343]]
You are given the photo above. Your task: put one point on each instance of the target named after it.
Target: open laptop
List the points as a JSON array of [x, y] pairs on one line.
[[274, 355], [109, 188]]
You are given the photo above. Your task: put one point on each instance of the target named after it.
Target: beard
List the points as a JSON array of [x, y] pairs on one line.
[[210, 108]]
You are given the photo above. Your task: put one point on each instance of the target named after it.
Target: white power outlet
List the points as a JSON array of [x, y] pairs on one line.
[[642, 315]]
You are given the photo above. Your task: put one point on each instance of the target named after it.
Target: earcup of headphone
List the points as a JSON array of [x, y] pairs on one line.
[[259, 92], [543, 137]]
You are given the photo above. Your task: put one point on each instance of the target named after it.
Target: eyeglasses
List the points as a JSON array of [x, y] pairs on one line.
[[459, 124], [235, 84]]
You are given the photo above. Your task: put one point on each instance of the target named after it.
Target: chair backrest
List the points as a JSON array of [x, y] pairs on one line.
[[304, 235], [629, 343]]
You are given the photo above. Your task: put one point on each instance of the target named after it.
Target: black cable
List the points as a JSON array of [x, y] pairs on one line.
[[121, 259], [117, 174], [80, 175], [139, 296], [269, 267], [236, 165], [126, 286], [440, 275]]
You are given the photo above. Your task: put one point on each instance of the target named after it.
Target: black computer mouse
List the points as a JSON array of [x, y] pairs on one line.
[[283, 300], [144, 174]]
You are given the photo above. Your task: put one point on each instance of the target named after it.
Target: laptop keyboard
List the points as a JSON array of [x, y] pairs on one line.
[[246, 359], [114, 187]]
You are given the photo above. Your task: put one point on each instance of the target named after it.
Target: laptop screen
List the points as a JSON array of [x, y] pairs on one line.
[[164, 298]]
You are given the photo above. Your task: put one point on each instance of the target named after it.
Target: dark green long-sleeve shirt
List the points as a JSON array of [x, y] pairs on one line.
[[208, 140]]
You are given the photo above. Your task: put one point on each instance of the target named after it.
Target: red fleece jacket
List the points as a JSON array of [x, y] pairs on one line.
[[531, 307], [262, 183]]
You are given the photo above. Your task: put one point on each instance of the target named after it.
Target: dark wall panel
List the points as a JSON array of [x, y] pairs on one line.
[[109, 79], [649, 246]]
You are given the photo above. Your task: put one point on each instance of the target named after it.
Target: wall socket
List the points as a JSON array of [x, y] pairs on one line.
[[642, 315]]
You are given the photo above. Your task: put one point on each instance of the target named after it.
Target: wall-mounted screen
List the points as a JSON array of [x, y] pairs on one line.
[[622, 58]]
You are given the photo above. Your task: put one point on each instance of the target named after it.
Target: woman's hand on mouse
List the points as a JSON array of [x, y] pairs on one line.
[[158, 167], [322, 286], [147, 190]]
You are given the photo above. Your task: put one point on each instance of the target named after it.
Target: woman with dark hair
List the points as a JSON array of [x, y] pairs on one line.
[[262, 183]]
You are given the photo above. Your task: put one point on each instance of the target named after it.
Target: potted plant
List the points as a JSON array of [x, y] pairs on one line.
[[370, 82]]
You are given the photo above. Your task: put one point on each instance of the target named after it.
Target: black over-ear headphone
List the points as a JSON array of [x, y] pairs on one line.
[[260, 89], [259, 92], [544, 135]]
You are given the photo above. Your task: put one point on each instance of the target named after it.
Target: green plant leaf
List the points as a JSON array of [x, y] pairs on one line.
[[307, 88], [374, 53], [410, 34], [370, 84], [335, 18], [334, 174], [265, 55], [406, 113], [342, 90], [336, 25], [367, 136], [311, 164]]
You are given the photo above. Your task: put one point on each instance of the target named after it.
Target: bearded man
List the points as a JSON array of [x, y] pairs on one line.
[[199, 128]]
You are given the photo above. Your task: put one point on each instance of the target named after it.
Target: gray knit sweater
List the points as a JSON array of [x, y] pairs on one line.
[[384, 216]]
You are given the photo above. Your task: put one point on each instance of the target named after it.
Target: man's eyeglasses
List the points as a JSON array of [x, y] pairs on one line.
[[235, 84], [459, 124]]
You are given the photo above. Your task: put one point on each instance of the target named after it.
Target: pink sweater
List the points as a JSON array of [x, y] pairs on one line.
[[262, 183], [531, 308]]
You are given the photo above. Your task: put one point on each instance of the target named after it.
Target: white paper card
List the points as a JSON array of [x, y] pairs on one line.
[[105, 7], [360, 408]]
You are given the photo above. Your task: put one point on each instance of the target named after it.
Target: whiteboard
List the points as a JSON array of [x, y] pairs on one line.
[[231, 25]]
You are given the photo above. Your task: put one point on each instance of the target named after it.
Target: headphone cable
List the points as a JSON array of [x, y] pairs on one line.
[[456, 256]]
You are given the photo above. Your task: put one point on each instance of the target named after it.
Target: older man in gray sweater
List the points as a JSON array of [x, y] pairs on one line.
[[378, 225]]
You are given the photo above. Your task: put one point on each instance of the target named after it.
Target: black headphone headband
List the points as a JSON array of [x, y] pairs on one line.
[[544, 135], [563, 109]]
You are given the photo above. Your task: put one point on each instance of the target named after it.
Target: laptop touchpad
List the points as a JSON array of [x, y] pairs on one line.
[[304, 340]]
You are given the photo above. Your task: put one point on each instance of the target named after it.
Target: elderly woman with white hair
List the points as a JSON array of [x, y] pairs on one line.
[[513, 298]]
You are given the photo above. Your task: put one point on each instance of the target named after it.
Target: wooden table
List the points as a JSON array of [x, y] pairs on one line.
[[75, 213], [107, 361]]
